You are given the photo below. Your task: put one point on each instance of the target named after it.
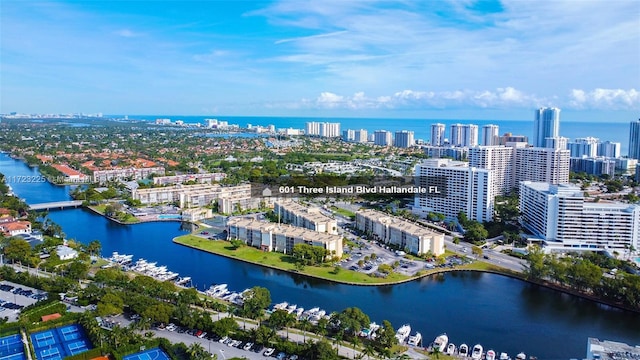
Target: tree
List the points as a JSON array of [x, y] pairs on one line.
[[255, 301], [352, 320], [78, 270], [475, 232], [94, 247], [477, 251], [18, 250], [264, 335], [535, 268], [224, 326], [236, 243], [321, 350], [386, 337], [110, 304]]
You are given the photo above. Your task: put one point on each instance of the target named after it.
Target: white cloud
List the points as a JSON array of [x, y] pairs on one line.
[[127, 33], [610, 99]]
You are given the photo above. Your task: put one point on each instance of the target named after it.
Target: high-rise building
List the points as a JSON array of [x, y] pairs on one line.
[[500, 160], [510, 138], [468, 189], [348, 135], [382, 138], [546, 125], [437, 134], [404, 139], [464, 135], [584, 147], [634, 140], [557, 142], [490, 135], [638, 174], [593, 165], [560, 216], [542, 164], [323, 129], [361, 135], [609, 149]]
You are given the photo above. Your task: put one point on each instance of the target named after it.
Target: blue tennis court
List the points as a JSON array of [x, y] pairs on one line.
[[58, 343], [11, 348], [151, 354]]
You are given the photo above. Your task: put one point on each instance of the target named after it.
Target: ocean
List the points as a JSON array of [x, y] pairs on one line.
[[611, 131]]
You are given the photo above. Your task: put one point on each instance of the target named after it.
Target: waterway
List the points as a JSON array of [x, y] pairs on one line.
[[498, 312]]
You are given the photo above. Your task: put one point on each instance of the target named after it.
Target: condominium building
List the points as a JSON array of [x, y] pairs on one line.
[[404, 139], [183, 178], [382, 138], [456, 153], [311, 218], [584, 147], [104, 176], [560, 216], [510, 138], [593, 165], [500, 160], [187, 196], [542, 164], [280, 237], [634, 140], [468, 189], [609, 149], [400, 232], [437, 134], [348, 135], [322, 129], [546, 125], [361, 136], [638, 174], [490, 135], [557, 142], [464, 135]]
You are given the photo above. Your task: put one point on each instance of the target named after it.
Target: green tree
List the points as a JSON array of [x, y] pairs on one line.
[[386, 337], [18, 250], [224, 326], [255, 301], [78, 270], [110, 304], [535, 267]]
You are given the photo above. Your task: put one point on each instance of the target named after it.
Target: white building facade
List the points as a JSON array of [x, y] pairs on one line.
[[560, 216], [546, 125]]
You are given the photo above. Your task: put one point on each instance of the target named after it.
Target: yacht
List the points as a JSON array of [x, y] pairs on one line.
[[291, 308], [463, 350], [491, 355], [280, 306], [402, 333], [476, 353], [299, 312], [521, 356], [415, 339], [504, 356], [451, 349], [440, 342]]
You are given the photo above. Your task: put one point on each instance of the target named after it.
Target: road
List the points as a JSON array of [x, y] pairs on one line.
[[495, 257]]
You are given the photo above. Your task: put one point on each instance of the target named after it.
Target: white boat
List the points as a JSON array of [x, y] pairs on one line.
[[415, 339], [440, 342], [403, 333], [491, 355], [504, 356], [521, 356], [463, 350], [299, 312], [281, 306], [476, 353], [451, 349], [291, 308], [314, 310]]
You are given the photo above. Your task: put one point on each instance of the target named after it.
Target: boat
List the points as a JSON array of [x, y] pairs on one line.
[[299, 311], [521, 356], [415, 339], [451, 349], [402, 333], [476, 353], [440, 342], [280, 306], [491, 355], [291, 308], [463, 350], [504, 356]]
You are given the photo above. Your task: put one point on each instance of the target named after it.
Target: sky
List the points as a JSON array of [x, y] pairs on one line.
[[342, 58]]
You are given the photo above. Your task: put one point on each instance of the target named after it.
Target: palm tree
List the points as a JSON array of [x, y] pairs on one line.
[[355, 341], [197, 351], [368, 351], [304, 326]]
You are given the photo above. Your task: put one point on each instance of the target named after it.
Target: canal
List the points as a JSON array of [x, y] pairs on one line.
[[498, 312]]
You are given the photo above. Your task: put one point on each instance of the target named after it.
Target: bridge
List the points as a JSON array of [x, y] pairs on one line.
[[56, 205]]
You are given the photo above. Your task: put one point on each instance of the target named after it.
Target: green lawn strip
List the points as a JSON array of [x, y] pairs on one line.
[[343, 212], [283, 262]]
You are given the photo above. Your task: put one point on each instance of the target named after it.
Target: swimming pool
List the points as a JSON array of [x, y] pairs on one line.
[[170, 217]]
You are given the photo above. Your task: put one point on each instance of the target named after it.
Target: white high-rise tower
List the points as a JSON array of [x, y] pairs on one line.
[[546, 125]]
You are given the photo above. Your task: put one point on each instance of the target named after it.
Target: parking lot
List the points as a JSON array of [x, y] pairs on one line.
[[14, 297]]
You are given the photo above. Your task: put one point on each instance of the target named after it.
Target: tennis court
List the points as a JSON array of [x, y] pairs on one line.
[[151, 354], [11, 348], [58, 343]]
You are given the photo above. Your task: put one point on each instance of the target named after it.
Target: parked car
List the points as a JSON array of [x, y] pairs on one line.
[[268, 352], [247, 346]]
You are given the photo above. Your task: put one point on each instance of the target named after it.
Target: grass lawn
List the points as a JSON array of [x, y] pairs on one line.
[[344, 212], [283, 262]]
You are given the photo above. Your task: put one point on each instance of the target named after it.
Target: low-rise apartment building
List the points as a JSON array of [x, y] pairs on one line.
[[206, 178], [188, 196], [400, 232], [311, 218], [280, 237], [130, 173]]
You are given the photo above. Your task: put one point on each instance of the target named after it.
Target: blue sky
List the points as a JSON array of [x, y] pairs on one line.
[[344, 58]]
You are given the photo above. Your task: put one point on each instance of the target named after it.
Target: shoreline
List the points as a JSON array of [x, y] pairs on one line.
[[516, 276], [140, 221]]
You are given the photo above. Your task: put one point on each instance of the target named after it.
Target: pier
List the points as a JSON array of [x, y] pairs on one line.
[[56, 205]]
